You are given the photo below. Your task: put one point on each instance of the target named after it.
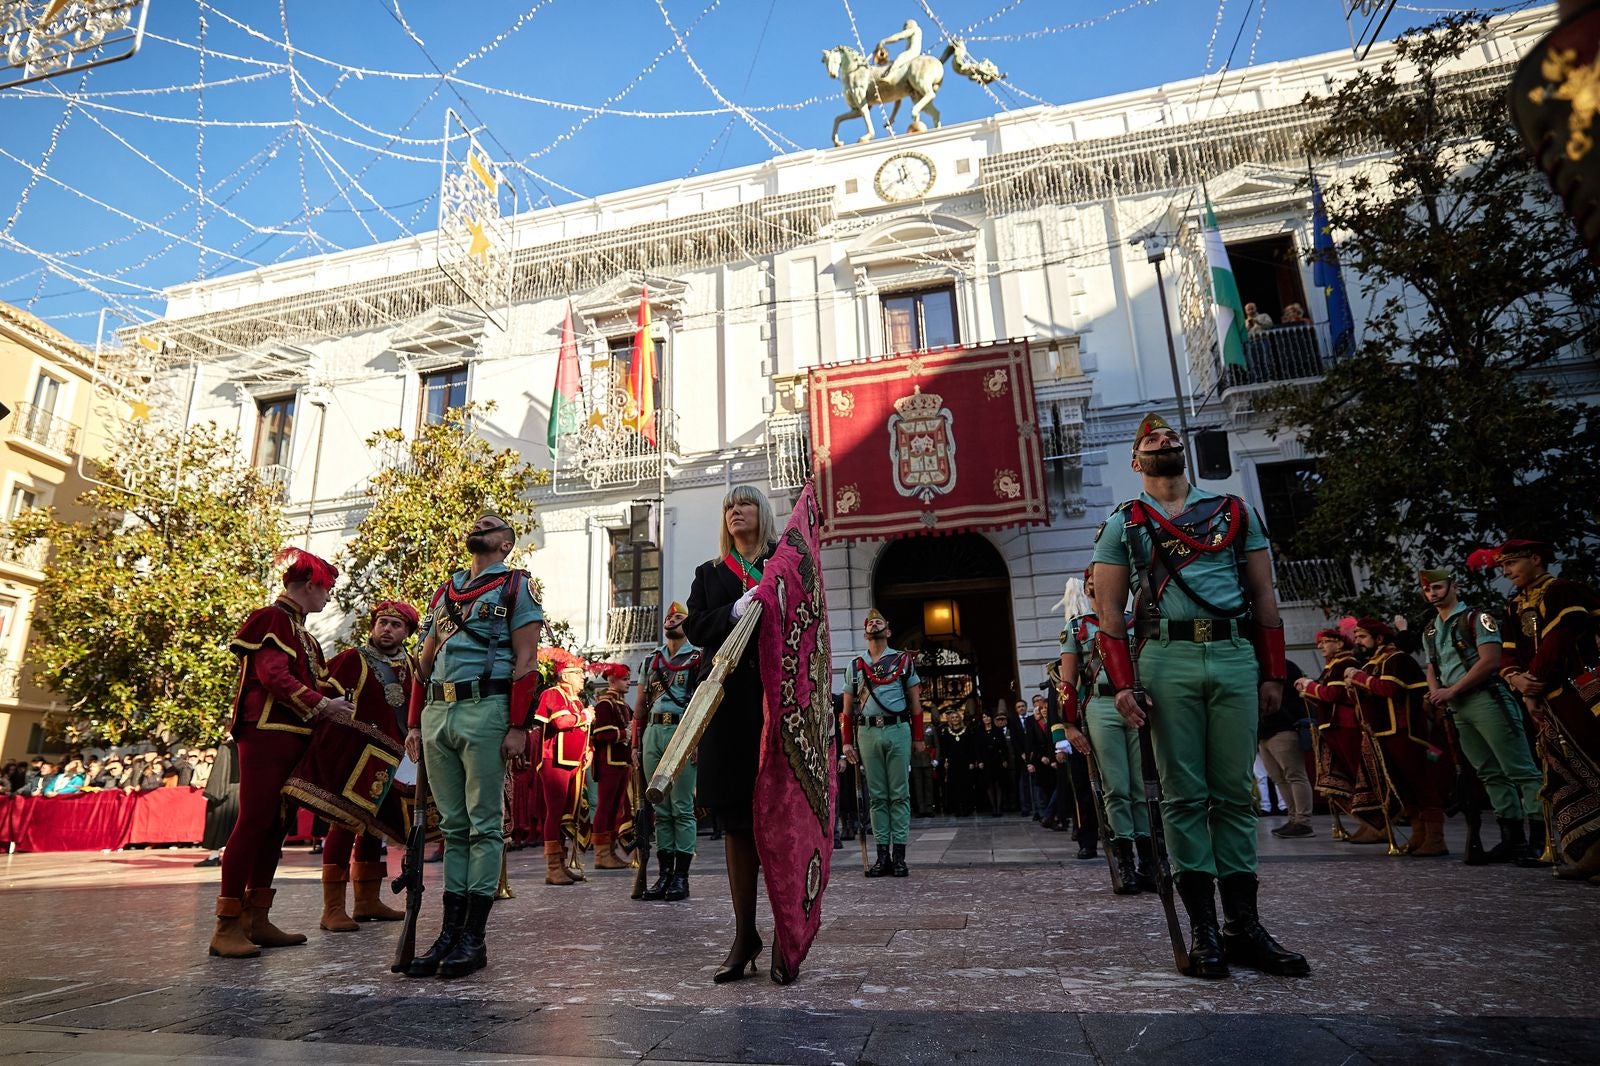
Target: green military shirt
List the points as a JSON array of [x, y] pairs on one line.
[[1439, 641], [677, 674], [461, 658], [1213, 576], [890, 695]]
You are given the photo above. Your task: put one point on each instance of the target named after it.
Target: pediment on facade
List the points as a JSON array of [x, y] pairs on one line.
[[1251, 186], [442, 334], [271, 368], [617, 300], [915, 240]]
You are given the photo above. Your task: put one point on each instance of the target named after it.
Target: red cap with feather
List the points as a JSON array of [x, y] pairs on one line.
[[305, 568]]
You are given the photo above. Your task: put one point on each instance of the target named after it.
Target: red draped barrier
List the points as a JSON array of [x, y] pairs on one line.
[[102, 821]]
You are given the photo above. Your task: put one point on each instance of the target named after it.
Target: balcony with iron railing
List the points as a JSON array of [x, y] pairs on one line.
[[29, 557], [10, 680], [277, 476], [630, 626], [1308, 581], [44, 431], [595, 457], [1283, 355]]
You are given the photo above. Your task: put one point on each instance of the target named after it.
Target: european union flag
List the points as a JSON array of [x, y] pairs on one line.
[[1325, 274]]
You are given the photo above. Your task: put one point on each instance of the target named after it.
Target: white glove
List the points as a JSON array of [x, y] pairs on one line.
[[742, 603]]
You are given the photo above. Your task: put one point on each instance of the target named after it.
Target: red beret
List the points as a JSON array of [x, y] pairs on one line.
[[1332, 634], [396, 609], [610, 671], [1521, 549], [303, 567], [1376, 626]]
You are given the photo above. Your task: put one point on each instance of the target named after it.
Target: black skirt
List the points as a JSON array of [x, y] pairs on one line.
[[730, 749]]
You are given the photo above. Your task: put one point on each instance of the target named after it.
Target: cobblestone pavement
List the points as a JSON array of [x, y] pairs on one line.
[[1000, 947]]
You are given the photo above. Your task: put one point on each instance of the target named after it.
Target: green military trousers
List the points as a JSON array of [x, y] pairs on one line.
[[467, 777], [1492, 739], [1207, 707], [1116, 755], [675, 824], [885, 754]]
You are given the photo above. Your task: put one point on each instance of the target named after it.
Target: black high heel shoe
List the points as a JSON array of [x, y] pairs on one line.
[[739, 969]]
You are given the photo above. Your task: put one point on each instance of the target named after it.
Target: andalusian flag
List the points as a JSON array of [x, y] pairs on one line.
[[1226, 306], [642, 373], [569, 385]]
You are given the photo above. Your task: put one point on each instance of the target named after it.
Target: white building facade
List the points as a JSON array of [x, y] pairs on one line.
[[1023, 226]]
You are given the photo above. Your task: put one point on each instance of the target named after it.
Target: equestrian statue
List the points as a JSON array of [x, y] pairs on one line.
[[912, 75]]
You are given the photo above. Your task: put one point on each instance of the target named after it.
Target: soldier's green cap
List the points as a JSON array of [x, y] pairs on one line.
[[1428, 577], [1151, 423]]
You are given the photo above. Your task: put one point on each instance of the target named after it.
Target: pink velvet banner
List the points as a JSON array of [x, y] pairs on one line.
[[795, 784]]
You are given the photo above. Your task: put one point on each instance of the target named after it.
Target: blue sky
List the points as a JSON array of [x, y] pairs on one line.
[[253, 133]]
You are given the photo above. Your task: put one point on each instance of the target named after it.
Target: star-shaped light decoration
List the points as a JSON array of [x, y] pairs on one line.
[[138, 410], [480, 242]]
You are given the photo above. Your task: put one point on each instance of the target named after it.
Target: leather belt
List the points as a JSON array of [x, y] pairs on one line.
[[663, 718], [456, 691], [879, 721], [1195, 630]]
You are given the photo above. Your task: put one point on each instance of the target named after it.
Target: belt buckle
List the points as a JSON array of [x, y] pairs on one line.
[[449, 691], [1202, 630]]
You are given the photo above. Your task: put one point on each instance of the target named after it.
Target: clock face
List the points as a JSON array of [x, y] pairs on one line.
[[905, 176]]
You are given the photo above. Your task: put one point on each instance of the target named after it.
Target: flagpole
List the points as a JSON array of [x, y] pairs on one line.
[[1155, 252]]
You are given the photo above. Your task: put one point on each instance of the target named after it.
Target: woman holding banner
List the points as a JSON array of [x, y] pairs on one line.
[[729, 752]]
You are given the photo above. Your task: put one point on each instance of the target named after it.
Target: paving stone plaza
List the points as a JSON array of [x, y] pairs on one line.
[[1000, 948]]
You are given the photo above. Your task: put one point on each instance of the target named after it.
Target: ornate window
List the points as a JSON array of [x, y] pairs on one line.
[[922, 318], [442, 391], [274, 425]]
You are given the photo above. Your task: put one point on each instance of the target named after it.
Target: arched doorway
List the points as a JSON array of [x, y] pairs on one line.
[[967, 569]]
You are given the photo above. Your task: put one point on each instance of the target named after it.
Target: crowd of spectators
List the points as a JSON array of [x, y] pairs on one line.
[[128, 771]]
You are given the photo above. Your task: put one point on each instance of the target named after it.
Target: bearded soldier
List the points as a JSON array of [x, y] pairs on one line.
[[882, 725], [1344, 755], [669, 679], [1210, 655], [480, 653], [1463, 646]]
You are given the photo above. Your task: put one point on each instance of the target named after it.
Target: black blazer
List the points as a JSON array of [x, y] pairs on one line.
[[730, 750]]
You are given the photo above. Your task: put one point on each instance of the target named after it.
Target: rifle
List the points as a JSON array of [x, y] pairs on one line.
[[863, 811], [1119, 876], [1152, 800], [644, 827], [410, 879]]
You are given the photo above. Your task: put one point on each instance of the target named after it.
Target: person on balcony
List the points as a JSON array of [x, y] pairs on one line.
[[1256, 321], [1295, 315]]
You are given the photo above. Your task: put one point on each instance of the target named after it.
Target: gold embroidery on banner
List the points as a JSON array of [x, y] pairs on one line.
[[843, 403], [1006, 485], [847, 499], [1579, 85], [996, 383]]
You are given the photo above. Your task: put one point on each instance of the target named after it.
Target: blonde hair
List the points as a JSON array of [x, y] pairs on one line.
[[766, 523]]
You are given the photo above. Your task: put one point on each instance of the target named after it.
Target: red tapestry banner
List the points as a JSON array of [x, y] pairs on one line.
[[931, 442]]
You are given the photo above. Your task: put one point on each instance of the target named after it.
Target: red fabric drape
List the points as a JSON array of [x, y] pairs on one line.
[[101, 821]]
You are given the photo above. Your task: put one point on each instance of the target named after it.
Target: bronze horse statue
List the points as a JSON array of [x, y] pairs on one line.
[[865, 83]]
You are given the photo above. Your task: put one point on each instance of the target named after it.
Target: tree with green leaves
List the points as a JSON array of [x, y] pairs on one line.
[[1448, 427], [140, 598], [444, 479]]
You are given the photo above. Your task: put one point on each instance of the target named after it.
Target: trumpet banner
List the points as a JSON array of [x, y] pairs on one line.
[[795, 783]]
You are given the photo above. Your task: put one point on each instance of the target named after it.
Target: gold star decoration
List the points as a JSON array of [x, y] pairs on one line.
[[480, 242], [139, 411]]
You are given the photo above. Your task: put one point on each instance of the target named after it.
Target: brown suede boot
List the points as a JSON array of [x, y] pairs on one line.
[[1428, 840], [555, 867], [1366, 835], [366, 881], [262, 931], [604, 857], [230, 941], [334, 917]]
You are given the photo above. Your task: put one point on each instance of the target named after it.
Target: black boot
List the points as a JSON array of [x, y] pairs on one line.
[[1244, 941], [664, 862], [897, 866], [1128, 882], [1086, 845], [1537, 839], [1148, 871], [881, 868], [1513, 845], [1206, 958], [455, 916], [849, 828], [678, 884], [470, 953]]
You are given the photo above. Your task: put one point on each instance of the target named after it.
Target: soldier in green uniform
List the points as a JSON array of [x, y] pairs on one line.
[[1463, 646], [479, 655], [1210, 653], [669, 675], [882, 727]]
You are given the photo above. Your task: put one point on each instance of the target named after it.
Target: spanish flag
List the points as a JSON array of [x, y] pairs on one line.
[[642, 373]]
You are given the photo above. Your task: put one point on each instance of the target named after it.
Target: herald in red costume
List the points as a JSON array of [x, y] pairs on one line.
[[610, 760], [1347, 769], [561, 730], [283, 684]]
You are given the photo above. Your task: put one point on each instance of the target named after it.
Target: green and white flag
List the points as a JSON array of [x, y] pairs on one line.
[[1226, 307]]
